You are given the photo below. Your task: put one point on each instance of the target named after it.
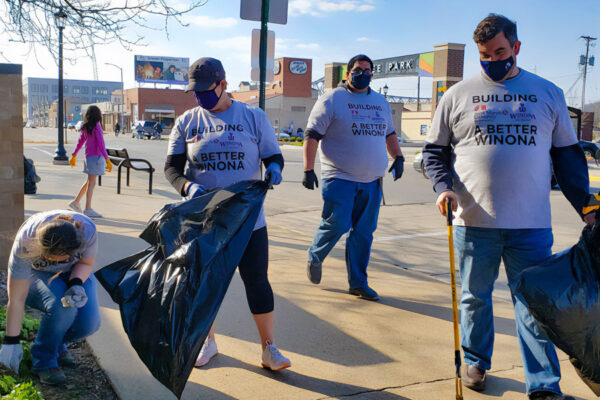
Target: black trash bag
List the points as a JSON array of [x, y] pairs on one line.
[[169, 294], [563, 294], [31, 178]]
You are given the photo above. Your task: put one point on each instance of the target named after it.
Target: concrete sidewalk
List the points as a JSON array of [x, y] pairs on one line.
[[340, 346]]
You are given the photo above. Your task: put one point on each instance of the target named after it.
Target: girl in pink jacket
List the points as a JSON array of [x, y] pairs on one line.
[[96, 159]]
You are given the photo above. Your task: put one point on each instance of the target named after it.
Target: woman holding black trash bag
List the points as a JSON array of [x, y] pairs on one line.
[[49, 269], [223, 142]]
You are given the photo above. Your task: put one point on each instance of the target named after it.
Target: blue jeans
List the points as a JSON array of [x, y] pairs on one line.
[[59, 324], [351, 207], [479, 251]]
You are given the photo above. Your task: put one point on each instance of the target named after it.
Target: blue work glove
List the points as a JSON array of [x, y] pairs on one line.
[[397, 168], [273, 174], [74, 297], [195, 190], [11, 355]]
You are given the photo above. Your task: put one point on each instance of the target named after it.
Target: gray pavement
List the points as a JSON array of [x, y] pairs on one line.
[[399, 348]]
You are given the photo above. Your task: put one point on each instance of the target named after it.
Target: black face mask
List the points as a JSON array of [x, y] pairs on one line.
[[497, 70], [360, 80]]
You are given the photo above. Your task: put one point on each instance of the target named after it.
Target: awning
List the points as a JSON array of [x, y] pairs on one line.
[[160, 108]]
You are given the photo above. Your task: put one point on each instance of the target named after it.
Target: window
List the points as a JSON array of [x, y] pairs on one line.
[[76, 90], [299, 108], [44, 88], [100, 90], [65, 88], [85, 90], [55, 88], [423, 130]]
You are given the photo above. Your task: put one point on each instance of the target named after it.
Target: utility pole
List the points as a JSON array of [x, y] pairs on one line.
[[585, 60]]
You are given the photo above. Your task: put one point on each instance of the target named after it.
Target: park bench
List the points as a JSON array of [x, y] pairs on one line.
[[120, 159]]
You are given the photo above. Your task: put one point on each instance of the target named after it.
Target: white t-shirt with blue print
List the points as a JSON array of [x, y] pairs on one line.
[[354, 128], [224, 148]]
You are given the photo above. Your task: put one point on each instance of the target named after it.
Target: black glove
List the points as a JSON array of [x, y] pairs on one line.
[[310, 180], [397, 168]]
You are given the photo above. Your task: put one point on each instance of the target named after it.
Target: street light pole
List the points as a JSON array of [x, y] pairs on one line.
[[122, 97], [385, 90], [60, 156]]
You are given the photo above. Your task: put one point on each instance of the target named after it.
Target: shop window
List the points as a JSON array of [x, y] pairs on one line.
[[299, 108]]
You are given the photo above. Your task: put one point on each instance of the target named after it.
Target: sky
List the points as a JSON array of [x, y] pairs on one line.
[[335, 30]]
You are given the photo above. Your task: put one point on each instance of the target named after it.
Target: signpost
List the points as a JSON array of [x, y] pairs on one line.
[[255, 56], [270, 10]]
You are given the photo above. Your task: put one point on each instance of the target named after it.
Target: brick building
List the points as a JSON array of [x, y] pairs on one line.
[[289, 98], [160, 105]]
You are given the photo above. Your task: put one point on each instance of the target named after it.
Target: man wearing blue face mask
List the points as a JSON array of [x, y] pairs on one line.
[[224, 142], [492, 142], [354, 126]]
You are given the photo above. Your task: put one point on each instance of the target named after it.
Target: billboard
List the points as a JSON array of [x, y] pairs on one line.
[[156, 69]]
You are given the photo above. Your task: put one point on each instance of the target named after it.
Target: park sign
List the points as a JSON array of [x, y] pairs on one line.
[[158, 69], [412, 65]]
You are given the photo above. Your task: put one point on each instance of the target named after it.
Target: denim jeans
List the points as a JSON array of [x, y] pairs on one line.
[[351, 207], [59, 324], [479, 252]]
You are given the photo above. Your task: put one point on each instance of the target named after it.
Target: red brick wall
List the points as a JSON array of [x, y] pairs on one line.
[[180, 100], [295, 85]]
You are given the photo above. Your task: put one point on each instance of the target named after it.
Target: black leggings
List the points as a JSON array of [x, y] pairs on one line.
[[253, 269]]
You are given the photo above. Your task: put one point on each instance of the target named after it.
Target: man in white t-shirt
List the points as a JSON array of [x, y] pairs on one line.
[[354, 126], [490, 151]]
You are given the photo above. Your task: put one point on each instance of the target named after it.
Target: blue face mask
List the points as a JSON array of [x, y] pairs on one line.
[[497, 70], [208, 99], [360, 80]]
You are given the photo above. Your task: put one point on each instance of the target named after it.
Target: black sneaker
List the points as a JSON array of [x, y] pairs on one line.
[[51, 376], [65, 359], [313, 270], [365, 293], [544, 395]]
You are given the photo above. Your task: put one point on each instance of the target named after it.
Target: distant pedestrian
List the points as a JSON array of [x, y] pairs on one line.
[[354, 126], [96, 159], [117, 129], [495, 141], [50, 269], [223, 142]]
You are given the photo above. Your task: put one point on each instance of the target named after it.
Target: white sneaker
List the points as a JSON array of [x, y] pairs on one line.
[[208, 351], [273, 359], [74, 205], [91, 213]]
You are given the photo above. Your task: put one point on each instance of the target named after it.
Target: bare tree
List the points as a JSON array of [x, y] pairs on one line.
[[89, 22]]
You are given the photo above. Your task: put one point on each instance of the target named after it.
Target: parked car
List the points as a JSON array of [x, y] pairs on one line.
[[30, 124], [282, 135], [148, 130], [591, 150], [418, 164]]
